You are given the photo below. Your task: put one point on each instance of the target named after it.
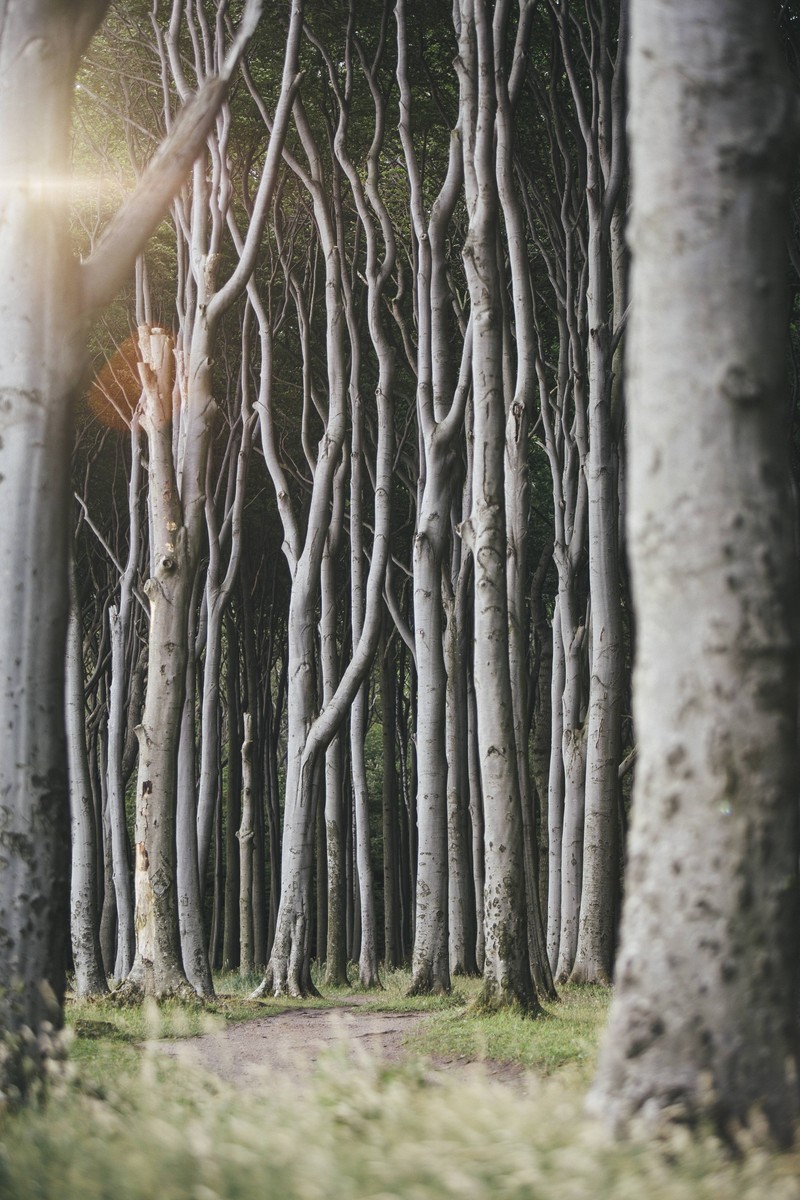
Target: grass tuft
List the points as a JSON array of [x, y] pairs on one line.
[[126, 1122]]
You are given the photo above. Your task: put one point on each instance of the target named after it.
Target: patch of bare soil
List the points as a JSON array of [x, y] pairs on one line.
[[289, 1044], [292, 1041]]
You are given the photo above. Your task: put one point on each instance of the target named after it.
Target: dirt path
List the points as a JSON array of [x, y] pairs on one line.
[[293, 1040]]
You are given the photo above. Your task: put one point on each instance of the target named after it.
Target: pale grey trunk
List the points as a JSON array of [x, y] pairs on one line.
[[368, 951], [440, 416], [230, 789], [158, 968], [605, 153], [40, 44], [704, 1017], [90, 979], [430, 966], [120, 627], [336, 941], [542, 721], [460, 888], [190, 907], [476, 820], [519, 399], [507, 978], [245, 835], [392, 864]]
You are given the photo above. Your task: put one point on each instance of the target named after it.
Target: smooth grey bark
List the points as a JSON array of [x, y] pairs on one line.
[[392, 955], [604, 140], [704, 1017], [288, 970], [46, 294], [541, 720], [336, 941], [519, 402], [190, 914], [440, 413], [120, 627], [90, 979], [476, 821], [506, 972], [177, 516], [40, 365], [460, 887]]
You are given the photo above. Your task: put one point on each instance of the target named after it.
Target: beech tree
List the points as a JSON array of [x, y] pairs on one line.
[[45, 299], [703, 1021]]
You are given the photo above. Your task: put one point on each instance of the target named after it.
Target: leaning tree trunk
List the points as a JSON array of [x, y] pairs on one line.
[[704, 1018]]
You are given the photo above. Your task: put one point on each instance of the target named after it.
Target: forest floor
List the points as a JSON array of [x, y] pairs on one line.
[[292, 1042], [350, 1096]]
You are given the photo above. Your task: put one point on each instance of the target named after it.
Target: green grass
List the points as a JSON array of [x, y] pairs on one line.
[[123, 1122], [565, 1035], [360, 1133]]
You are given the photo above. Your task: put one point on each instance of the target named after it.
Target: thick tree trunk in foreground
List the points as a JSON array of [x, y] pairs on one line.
[[40, 44], [704, 1016]]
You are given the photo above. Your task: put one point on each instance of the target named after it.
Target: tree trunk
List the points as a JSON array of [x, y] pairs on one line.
[[158, 968], [391, 831], [233, 806], [90, 979], [703, 1021], [506, 973], [245, 836], [40, 44]]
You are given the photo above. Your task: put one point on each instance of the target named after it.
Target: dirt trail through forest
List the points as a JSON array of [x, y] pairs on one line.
[[246, 1053]]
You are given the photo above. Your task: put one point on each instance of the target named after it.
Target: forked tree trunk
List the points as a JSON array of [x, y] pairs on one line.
[[704, 1017], [506, 973]]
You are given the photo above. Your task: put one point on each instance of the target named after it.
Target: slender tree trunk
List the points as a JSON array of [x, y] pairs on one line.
[[233, 805], [120, 626], [507, 978], [90, 979], [190, 896], [158, 968], [245, 836], [391, 832]]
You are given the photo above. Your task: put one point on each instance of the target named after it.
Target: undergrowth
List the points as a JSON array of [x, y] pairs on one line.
[[125, 1122], [360, 1133]]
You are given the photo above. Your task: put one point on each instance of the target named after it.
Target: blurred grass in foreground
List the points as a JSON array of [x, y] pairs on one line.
[[128, 1124]]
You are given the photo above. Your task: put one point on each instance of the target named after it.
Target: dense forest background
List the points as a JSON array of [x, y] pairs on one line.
[[351, 629], [328, 602]]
